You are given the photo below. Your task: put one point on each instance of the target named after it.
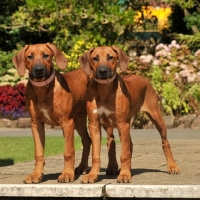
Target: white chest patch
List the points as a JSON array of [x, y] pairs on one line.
[[45, 113], [102, 110]]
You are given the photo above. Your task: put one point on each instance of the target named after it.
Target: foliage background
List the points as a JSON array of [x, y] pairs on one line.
[[75, 26]]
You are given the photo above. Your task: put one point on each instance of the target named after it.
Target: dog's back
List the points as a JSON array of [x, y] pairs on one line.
[[77, 82], [141, 93]]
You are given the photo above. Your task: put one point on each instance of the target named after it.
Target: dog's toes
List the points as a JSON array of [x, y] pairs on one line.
[[173, 169], [33, 179], [89, 178], [65, 178], [122, 178]]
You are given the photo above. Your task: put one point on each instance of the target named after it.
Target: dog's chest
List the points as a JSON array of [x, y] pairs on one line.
[[45, 114], [106, 115]]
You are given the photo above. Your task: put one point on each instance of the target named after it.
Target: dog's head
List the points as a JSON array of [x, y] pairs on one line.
[[37, 59], [103, 61]]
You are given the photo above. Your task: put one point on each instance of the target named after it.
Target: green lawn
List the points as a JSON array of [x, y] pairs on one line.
[[19, 149]]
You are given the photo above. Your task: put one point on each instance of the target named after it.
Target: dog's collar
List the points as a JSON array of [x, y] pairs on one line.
[[107, 81], [44, 83]]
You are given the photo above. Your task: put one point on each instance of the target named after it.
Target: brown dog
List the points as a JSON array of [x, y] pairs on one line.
[[112, 101], [54, 99]]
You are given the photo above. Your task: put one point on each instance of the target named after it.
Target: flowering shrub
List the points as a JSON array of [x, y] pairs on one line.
[[178, 61], [174, 73], [5, 61], [12, 101], [8, 73], [79, 47]]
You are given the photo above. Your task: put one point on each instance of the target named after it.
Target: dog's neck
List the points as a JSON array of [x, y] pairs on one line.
[[104, 90]]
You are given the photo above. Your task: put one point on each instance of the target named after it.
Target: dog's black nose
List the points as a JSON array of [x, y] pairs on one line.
[[39, 70], [103, 72]]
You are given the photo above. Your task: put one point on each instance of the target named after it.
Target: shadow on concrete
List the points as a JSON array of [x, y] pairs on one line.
[[6, 162], [101, 177], [134, 172], [139, 171], [48, 177]]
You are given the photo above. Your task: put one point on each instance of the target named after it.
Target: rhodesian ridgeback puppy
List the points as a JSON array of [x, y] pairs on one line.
[[112, 101], [57, 100]]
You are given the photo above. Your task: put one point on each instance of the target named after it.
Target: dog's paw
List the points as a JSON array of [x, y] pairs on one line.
[[33, 178], [81, 169], [124, 178], [173, 169], [66, 178], [89, 178]]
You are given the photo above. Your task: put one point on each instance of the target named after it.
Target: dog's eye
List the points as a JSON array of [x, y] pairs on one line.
[[45, 55], [30, 57], [95, 59], [110, 57]]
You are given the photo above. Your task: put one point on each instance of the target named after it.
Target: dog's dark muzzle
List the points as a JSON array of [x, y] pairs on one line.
[[103, 73], [38, 71]]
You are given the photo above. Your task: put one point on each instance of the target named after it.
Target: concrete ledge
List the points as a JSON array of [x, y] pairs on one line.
[[53, 190], [153, 191], [100, 190]]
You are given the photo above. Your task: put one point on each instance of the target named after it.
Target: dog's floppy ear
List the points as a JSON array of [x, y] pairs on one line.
[[85, 62], [61, 60], [18, 61], [122, 57]]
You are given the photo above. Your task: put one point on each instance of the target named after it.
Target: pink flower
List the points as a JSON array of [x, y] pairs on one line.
[[167, 72], [146, 58], [160, 46], [156, 62], [177, 77], [195, 63], [173, 42], [174, 45], [184, 73], [183, 66], [192, 78], [198, 76], [175, 64], [197, 53]]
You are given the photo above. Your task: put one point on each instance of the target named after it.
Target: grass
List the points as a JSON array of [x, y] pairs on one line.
[[20, 149]]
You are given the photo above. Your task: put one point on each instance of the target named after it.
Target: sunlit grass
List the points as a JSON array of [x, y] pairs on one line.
[[20, 149]]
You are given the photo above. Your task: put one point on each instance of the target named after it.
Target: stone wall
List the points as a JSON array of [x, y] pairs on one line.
[[188, 121]]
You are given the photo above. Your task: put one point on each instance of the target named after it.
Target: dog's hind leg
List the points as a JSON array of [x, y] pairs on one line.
[[112, 168], [80, 121], [153, 112]]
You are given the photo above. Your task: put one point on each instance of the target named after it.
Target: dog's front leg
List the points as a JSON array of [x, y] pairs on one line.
[[69, 153], [125, 172], [95, 134], [39, 141]]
